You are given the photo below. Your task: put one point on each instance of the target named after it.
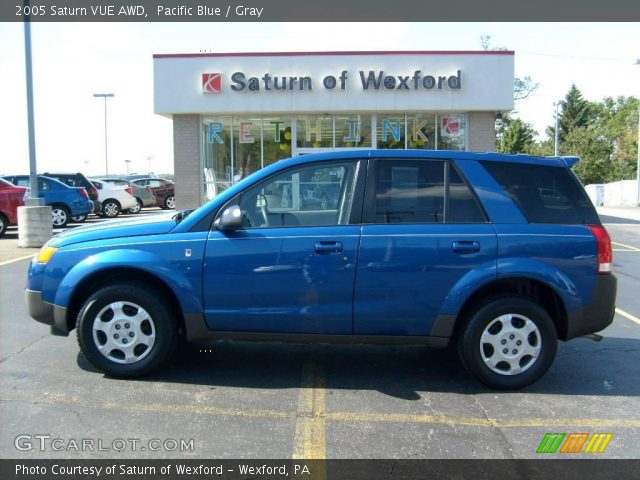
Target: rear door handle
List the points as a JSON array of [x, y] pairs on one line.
[[328, 247], [465, 246]]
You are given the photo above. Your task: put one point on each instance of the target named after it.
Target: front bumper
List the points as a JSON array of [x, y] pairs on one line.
[[47, 313], [598, 313]]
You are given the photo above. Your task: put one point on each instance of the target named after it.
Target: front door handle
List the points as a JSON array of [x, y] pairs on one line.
[[465, 246], [328, 247]]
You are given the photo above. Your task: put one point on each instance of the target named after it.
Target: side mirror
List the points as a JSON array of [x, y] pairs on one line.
[[231, 218]]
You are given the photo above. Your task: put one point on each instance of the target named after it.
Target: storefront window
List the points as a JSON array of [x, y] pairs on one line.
[[421, 131], [277, 138], [315, 131], [216, 161], [246, 146], [353, 130], [452, 132], [235, 147], [391, 130]]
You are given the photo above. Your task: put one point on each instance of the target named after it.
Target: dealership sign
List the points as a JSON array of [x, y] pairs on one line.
[[371, 80]]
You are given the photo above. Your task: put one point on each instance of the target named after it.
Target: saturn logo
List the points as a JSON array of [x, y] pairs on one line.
[[211, 83]]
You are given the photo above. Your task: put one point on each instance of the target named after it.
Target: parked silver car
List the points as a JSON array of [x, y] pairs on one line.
[[144, 196]]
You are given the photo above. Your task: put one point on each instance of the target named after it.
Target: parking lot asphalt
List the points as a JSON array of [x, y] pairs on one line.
[[243, 400]]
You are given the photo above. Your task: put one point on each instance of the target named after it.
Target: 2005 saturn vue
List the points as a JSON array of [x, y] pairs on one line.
[[504, 255]]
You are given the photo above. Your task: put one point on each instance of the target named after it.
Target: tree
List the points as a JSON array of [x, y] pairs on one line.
[[518, 137], [619, 122], [594, 151], [576, 112]]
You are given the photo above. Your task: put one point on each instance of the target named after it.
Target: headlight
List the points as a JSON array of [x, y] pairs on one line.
[[45, 254]]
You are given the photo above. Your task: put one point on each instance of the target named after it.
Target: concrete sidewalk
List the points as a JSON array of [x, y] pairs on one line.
[[628, 213]]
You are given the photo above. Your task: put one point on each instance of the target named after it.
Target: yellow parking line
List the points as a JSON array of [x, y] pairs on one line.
[[630, 247], [480, 422], [625, 250], [633, 318], [13, 260], [309, 439]]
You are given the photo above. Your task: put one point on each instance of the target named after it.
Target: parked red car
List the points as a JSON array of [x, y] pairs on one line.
[[162, 189], [11, 197]]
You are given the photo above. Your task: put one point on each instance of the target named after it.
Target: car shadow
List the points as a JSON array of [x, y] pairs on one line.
[[610, 219], [582, 367]]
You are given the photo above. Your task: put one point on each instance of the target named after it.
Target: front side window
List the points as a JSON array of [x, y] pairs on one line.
[[306, 196]]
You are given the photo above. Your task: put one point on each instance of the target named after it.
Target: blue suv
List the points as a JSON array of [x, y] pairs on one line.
[[502, 254], [65, 201]]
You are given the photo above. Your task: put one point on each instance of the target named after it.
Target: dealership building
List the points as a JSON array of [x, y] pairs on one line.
[[234, 113]]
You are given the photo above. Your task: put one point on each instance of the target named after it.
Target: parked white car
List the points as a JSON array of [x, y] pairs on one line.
[[114, 198]]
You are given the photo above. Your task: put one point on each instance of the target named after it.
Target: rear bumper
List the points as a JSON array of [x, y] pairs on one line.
[[598, 313], [47, 313]]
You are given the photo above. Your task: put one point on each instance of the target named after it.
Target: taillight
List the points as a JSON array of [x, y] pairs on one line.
[[129, 190], [84, 193], [605, 254], [94, 192]]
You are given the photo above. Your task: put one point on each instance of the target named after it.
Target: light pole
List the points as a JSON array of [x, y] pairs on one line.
[[556, 148], [127, 162], [106, 156]]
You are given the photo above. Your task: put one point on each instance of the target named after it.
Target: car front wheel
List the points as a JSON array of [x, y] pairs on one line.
[[125, 331], [137, 208], [508, 343], [4, 223]]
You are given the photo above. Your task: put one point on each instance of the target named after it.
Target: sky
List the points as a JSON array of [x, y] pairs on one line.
[[72, 61]]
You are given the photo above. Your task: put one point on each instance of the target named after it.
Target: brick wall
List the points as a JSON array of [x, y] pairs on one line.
[[186, 161], [482, 131]]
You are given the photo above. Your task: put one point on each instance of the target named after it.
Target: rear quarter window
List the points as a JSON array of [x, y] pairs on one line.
[[544, 194]]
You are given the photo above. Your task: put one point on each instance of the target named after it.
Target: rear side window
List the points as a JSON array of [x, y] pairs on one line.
[[544, 194], [424, 191]]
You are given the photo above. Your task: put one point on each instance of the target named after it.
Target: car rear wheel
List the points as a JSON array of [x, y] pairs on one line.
[[508, 343], [170, 202], [125, 331], [4, 223], [137, 208], [59, 216], [79, 218], [110, 208]]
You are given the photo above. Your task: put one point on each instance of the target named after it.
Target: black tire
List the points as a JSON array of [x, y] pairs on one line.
[[162, 323], [4, 224], [80, 218], [137, 208], [60, 216], [170, 202], [488, 316], [111, 208]]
